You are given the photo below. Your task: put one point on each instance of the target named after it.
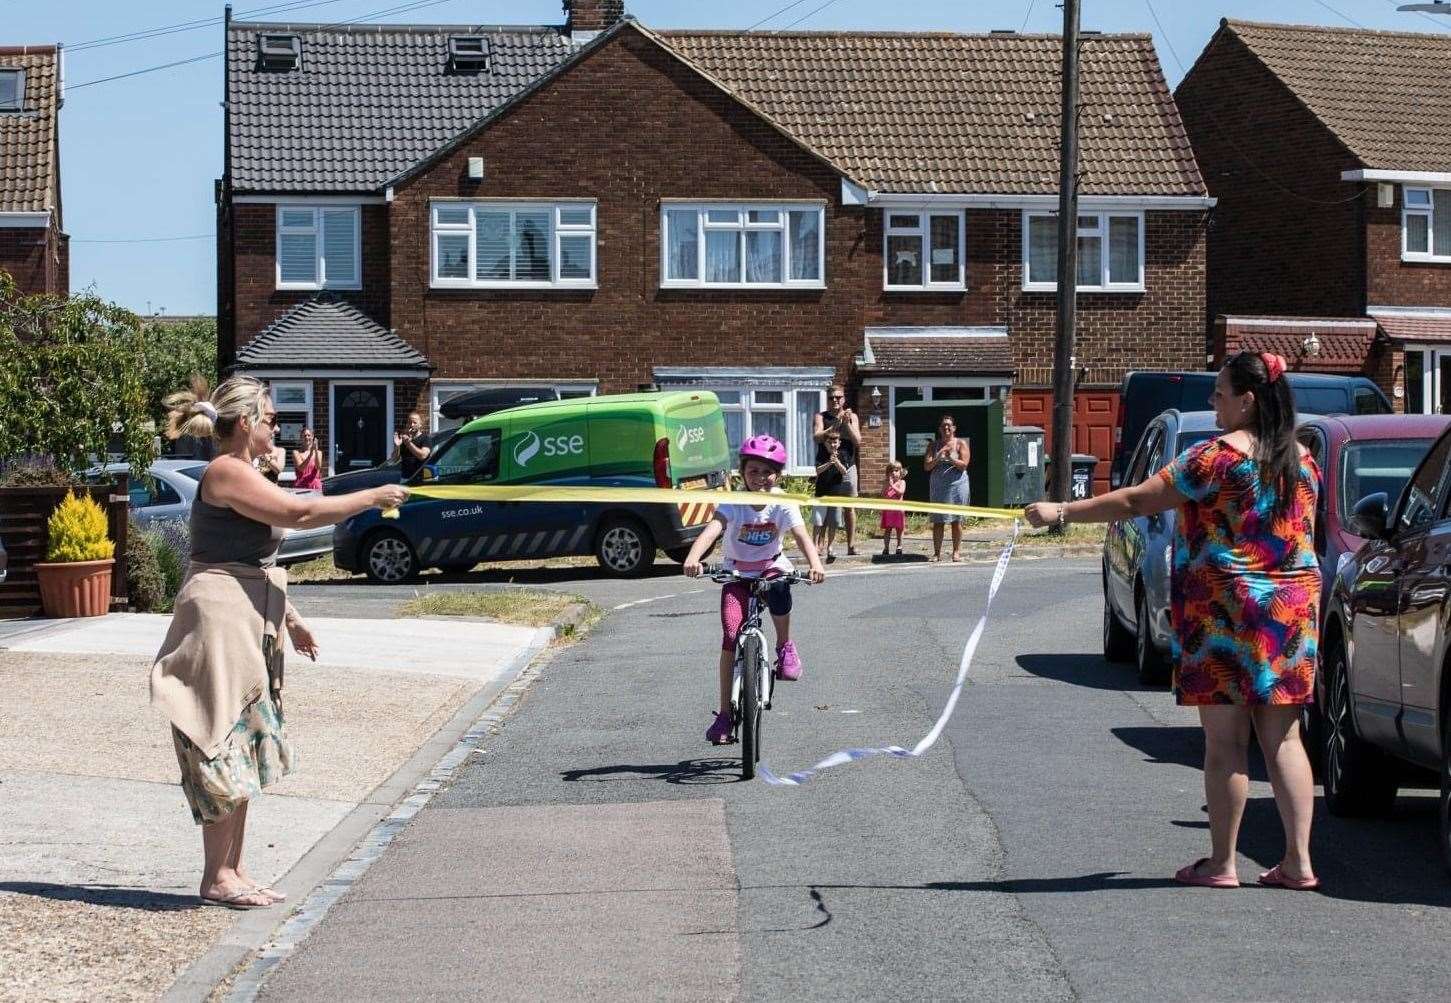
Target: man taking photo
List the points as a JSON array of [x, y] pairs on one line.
[[838, 419]]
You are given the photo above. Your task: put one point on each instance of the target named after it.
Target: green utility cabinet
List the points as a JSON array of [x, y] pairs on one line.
[[979, 422], [1024, 464]]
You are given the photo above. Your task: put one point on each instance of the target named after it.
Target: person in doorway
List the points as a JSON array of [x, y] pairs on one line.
[[411, 452], [218, 675], [894, 520], [1244, 603], [843, 421], [947, 460], [829, 479], [307, 463]]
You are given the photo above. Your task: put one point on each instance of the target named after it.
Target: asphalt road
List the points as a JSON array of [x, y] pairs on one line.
[[596, 845]]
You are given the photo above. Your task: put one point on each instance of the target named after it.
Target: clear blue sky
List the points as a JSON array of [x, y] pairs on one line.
[[139, 155]]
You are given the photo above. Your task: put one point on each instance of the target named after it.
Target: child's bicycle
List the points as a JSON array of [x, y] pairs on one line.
[[754, 678]]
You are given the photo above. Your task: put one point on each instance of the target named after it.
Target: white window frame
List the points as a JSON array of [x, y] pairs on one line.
[[1100, 230], [742, 226], [578, 388], [923, 230], [319, 255], [999, 387], [1427, 211], [557, 230], [19, 73], [795, 466]]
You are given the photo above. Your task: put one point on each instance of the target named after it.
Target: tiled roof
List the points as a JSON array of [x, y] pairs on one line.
[[901, 350], [368, 102], [28, 157], [925, 112], [1344, 341], [327, 333], [1385, 94], [1415, 326]]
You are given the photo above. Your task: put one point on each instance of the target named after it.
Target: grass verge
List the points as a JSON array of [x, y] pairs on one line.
[[528, 607]]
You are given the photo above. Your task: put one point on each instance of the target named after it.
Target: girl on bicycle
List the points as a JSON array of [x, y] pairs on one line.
[[753, 535]]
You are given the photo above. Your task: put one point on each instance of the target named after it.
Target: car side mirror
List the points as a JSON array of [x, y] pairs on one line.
[[1369, 516]]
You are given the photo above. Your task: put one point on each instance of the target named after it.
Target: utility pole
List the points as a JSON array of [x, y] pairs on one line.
[[1067, 262]]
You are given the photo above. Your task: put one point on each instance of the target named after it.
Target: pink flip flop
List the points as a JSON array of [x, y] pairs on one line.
[[1188, 876], [1276, 878]]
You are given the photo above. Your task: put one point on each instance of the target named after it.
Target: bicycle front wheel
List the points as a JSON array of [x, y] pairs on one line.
[[752, 656]]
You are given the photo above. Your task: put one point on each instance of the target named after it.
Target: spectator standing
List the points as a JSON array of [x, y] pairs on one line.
[[411, 452], [843, 421], [218, 675], [830, 476], [1244, 603], [947, 460], [894, 520], [307, 464]]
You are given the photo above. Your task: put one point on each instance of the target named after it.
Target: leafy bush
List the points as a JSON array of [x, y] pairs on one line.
[[36, 472], [172, 542], [145, 584], [78, 531]]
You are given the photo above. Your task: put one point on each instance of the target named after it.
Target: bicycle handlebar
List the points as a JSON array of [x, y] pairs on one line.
[[718, 573]]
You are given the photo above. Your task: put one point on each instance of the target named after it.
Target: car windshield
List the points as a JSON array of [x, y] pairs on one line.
[[1369, 467], [195, 473], [1187, 439]]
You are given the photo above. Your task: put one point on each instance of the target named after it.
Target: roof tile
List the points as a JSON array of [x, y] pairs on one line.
[[328, 333], [29, 172]]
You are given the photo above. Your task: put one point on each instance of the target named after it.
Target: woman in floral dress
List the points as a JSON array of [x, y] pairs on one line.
[[1244, 603]]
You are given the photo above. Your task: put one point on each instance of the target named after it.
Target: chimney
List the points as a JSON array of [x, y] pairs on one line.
[[587, 18]]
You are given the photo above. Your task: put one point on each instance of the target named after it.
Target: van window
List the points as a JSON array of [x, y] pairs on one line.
[[1367, 401], [469, 458], [1321, 400]]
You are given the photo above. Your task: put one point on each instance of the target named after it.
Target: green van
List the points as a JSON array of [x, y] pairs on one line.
[[672, 439]]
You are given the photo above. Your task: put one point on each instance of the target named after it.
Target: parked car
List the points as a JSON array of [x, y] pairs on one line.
[[1144, 395], [673, 439], [1384, 684], [4, 561], [168, 488], [1137, 554], [388, 472]]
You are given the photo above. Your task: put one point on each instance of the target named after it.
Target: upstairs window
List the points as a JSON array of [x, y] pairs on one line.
[[1110, 251], [750, 246], [468, 53], [1426, 224], [493, 245], [924, 250], [318, 247], [12, 89], [279, 52]]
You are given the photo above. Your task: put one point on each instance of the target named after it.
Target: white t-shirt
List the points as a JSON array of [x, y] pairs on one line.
[[753, 537]]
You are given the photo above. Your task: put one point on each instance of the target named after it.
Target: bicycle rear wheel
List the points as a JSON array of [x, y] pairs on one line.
[[752, 654]]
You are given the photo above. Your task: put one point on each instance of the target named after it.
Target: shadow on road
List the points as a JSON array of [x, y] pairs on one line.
[[124, 898], [687, 771], [1083, 669], [522, 575], [1182, 746]]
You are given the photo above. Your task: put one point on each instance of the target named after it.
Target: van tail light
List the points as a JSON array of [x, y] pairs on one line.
[[662, 463]]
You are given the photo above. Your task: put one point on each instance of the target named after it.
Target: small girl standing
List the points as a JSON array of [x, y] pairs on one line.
[[894, 519]]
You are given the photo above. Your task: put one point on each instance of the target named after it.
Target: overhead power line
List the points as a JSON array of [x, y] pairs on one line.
[[1340, 14], [1026, 16], [1439, 22], [171, 29], [772, 17], [808, 14], [140, 240]]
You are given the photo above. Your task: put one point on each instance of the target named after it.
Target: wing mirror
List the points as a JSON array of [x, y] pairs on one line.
[[1115, 480], [1369, 516]]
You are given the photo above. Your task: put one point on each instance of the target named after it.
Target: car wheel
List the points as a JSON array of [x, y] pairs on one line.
[[1359, 778], [1446, 790], [1153, 666], [624, 547], [388, 558], [1118, 643]]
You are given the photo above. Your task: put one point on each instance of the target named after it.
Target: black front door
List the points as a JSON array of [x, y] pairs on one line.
[[360, 425]]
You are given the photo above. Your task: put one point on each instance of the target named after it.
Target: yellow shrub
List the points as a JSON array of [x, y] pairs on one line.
[[78, 531]]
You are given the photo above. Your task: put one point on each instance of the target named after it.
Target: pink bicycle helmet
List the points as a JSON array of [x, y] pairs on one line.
[[765, 447]]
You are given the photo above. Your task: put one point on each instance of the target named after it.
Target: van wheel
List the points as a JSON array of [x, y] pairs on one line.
[[624, 547], [388, 558], [1359, 778]]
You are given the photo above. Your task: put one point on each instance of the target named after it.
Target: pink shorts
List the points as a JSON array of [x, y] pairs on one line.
[[733, 598]]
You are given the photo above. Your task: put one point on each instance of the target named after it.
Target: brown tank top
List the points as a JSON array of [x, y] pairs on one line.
[[221, 535]]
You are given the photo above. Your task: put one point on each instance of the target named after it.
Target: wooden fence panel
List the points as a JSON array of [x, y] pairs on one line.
[[24, 514]]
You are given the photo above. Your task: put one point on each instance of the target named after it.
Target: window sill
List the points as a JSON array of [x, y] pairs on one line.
[[1426, 259], [926, 289], [562, 287], [314, 287], [1052, 287], [743, 287]]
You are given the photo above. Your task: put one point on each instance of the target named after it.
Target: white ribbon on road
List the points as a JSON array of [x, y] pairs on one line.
[[930, 739]]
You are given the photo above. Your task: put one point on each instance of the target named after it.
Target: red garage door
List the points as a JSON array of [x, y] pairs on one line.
[[1095, 413]]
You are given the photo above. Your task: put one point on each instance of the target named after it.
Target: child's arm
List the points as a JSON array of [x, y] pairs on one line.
[[702, 543], [813, 559]]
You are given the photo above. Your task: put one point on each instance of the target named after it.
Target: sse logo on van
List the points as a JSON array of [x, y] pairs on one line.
[[531, 445], [690, 435]]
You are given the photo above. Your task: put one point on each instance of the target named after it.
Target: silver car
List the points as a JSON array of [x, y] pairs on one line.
[[168, 488]]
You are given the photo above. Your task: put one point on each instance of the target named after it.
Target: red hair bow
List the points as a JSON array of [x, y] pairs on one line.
[[1274, 365]]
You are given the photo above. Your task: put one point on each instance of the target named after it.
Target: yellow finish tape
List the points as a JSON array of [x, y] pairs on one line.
[[676, 496]]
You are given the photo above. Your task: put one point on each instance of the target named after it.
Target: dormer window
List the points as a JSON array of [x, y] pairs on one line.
[[468, 53], [12, 89], [279, 52]]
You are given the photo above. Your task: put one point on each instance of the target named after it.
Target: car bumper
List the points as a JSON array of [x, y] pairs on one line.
[[302, 544]]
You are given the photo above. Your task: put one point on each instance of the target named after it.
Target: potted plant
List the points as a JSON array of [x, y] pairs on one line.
[[75, 578]]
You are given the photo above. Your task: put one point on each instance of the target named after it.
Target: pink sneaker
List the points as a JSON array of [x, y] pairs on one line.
[[719, 732], [788, 663]]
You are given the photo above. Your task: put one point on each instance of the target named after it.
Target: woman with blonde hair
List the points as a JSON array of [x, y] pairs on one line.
[[218, 675]]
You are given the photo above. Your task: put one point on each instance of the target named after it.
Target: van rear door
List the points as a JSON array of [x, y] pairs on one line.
[[692, 451]]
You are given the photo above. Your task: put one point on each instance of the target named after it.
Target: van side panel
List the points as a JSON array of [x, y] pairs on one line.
[[695, 426], [548, 445], [621, 445]]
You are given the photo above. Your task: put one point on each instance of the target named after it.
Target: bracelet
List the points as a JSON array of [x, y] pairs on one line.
[[1062, 515]]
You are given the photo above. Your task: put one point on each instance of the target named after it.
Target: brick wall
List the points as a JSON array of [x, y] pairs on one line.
[[24, 254], [1283, 238], [1389, 280]]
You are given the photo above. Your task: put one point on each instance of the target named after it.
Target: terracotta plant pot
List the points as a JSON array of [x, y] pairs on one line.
[[76, 588]]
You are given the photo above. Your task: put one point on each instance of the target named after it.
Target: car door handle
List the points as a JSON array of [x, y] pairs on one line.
[[1424, 594]]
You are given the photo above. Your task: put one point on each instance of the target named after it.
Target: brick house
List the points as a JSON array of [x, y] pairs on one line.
[[34, 248], [1329, 151], [601, 206]]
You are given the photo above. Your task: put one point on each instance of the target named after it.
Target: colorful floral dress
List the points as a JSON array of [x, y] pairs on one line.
[[1245, 589]]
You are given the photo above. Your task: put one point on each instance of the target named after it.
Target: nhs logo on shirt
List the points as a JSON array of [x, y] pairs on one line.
[[757, 534]]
